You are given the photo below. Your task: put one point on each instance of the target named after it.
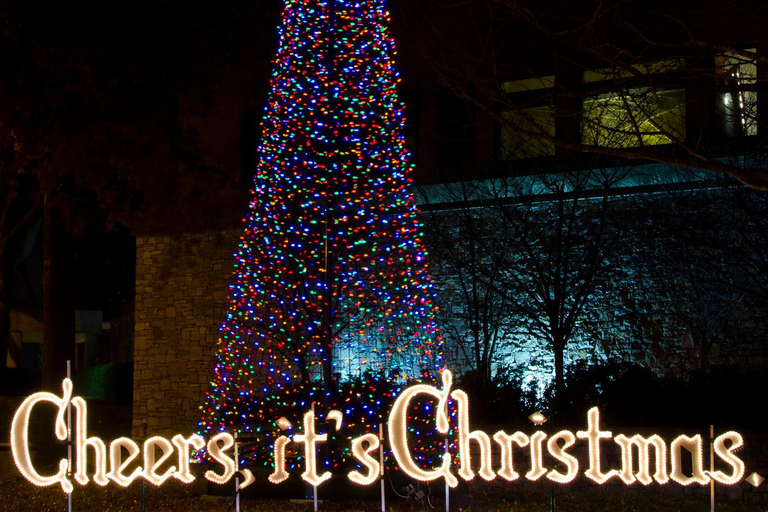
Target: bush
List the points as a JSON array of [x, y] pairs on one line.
[[112, 382], [630, 395]]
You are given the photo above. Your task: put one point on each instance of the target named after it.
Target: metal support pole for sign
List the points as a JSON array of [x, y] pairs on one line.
[[552, 497], [143, 481], [69, 438], [237, 477], [314, 487], [711, 468], [447, 489], [381, 465]]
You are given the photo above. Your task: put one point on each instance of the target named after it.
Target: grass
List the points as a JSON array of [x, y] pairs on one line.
[[16, 494]]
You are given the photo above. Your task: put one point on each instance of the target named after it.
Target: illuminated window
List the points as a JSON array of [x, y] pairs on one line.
[[634, 117], [522, 129], [736, 75]]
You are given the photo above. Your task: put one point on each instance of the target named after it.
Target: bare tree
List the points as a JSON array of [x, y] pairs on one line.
[[751, 241], [21, 208], [565, 253], [90, 121], [529, 255], [695, 274], [467, 254]]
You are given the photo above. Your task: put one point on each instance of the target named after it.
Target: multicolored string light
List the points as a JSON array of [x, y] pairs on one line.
[[331, 264]]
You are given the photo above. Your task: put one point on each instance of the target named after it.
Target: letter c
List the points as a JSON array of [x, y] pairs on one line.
[[398, 432], [20, 437]]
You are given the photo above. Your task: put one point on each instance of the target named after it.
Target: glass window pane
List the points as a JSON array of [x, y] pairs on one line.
[[738, 105], [633, 118]]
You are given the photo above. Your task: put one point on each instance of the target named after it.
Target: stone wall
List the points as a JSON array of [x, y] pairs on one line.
[[650, 304], [181, 299]]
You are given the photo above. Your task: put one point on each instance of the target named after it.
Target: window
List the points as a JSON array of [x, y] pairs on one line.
[[737, 106], [630, 109], [534, 115], [634, 117]]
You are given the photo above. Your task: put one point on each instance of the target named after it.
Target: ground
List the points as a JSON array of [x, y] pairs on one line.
[[18, 495]]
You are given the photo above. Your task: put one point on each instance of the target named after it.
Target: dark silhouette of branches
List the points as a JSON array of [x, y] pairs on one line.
[[527, 257], [634, 81]]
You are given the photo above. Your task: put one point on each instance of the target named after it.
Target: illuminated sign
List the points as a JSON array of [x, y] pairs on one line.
[[643, 459]]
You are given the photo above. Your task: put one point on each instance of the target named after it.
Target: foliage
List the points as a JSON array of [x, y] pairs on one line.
[[630, 395], [528, 258], [110, 381], [502, 400], [627, 394]]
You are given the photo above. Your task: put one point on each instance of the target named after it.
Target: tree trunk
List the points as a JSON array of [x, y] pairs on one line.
[[58, 301], [58, 330], [704, 354], [558, 348], [5, 326], [6, 272]]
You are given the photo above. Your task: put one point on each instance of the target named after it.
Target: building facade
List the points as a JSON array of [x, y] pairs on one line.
[[496, 141]]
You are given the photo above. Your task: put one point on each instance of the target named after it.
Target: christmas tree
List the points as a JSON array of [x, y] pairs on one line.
[[331, 300]]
